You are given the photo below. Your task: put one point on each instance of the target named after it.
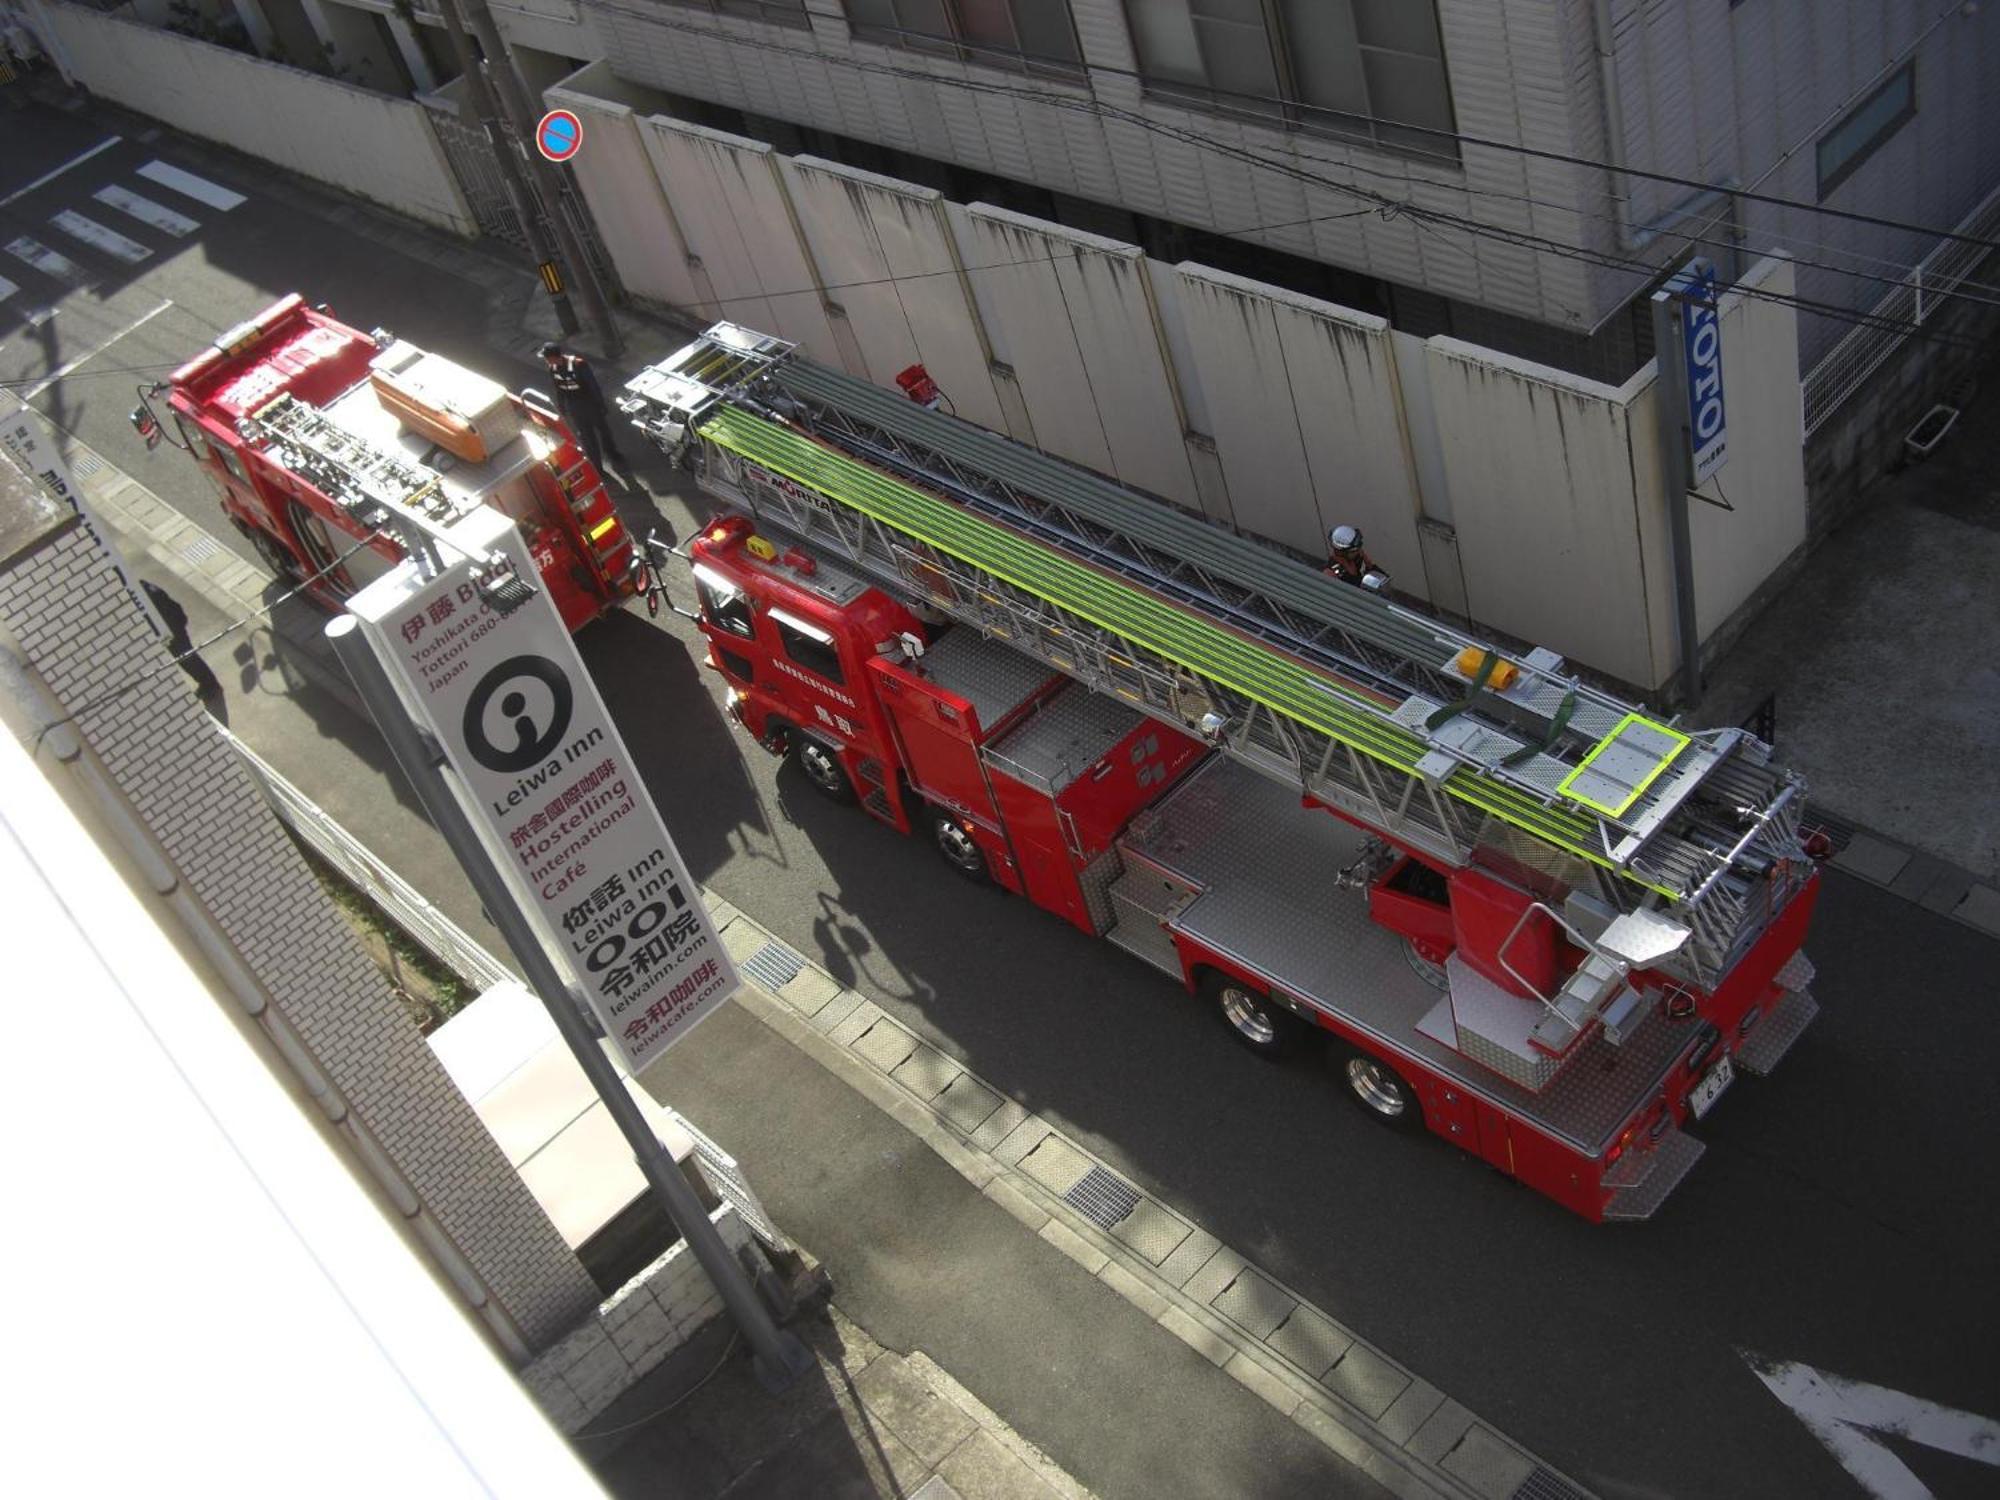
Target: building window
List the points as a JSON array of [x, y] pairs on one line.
[[1035, 36], [1868, 126], [1357, 69], [774, 12]]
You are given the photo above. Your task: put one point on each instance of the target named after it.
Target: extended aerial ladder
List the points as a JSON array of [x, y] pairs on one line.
[[1661, 847]]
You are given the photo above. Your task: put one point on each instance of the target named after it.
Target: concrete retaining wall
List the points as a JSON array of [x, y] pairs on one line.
[[362, 143]]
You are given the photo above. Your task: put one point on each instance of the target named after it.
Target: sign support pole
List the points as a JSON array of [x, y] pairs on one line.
[[1677, 464], [778, 1355]]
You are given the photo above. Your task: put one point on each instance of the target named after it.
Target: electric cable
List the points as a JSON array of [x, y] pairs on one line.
[[677, 1402]]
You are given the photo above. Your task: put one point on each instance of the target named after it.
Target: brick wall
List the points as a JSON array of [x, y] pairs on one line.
[[652, 1315], [65, 603]]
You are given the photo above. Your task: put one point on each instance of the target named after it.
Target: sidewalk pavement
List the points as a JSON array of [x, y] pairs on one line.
[[1881, 660], [865, 1421]]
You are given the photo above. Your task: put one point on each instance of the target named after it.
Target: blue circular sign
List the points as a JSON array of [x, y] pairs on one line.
[[560, 135]]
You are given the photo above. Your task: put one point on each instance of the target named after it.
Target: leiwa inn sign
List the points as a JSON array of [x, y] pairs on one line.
[[551, 785]]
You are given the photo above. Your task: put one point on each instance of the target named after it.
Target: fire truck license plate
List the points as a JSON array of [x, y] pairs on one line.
[[1702, 1097]]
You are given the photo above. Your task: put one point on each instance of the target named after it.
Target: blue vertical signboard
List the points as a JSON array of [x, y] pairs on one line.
[[1701, 351]]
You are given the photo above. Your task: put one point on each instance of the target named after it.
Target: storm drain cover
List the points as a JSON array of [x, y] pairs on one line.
[[774, 966], [199, 549], [1102, 1198], [1545, 1484]]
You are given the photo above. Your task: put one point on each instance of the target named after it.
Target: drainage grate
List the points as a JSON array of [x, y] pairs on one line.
[[1837, 829], [199, 549], [1102, 1198], [1545, 1484], [774, 966], [84, 465]]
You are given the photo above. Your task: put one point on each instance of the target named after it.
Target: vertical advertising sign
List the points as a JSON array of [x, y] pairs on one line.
[[548, 780], [1701, 349]]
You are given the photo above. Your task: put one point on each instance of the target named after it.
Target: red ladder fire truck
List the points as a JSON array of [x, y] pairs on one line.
[[1572, 924], [324, 440]]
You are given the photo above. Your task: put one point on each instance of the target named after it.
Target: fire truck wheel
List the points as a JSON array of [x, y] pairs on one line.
[[1380, 1091], [958, 847], [823, 768], [274, 555], [1253, 1018]]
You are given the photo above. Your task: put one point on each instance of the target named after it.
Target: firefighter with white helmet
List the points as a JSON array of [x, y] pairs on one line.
[[1346, 560]]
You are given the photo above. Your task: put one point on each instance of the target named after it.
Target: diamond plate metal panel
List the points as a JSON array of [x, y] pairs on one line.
[[1310, 1341], [1656, 1172], [993, 678], [1766, 1046], [1153, 1231], [886, 1045], [1056, 1164], [1068, 736]]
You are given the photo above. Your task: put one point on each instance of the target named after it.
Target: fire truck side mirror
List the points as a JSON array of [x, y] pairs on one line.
[[1376, 580], [147, 426]]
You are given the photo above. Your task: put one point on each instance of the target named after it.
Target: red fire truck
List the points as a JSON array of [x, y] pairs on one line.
[[322, 438], [1533, 918]]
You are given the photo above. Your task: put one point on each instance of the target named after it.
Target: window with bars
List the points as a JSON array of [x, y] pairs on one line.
[[775, 12], [1361, 70], [1035, 36]]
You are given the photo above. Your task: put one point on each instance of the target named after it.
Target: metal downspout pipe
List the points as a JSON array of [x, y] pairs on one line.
[[27, 687]]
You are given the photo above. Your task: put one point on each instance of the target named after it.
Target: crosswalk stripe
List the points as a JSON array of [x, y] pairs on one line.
[[199, 188], [48, 177], [45, 260], [7, 289], [95, 235], [146, 211]]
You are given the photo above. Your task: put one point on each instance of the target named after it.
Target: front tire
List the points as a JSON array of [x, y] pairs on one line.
[[1380, 1092], [1256, 1020], [821, 765], [960, 850]]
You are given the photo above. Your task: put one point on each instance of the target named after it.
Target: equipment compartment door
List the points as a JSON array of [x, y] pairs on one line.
[[939, 735]]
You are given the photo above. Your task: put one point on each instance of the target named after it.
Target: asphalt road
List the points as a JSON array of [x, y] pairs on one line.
[[1844, 1215]]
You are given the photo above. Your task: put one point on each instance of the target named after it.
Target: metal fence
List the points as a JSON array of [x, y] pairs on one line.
[[453, 947], [1901, 312], [394, 896]]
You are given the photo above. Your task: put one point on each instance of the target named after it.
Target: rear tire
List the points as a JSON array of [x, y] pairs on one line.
[[821, 764], [275, 556], [1379, 1091], [1256, 1020], [960, 850]]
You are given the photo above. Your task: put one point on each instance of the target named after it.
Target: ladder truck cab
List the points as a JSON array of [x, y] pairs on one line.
[[324, 440], [1533, 918]]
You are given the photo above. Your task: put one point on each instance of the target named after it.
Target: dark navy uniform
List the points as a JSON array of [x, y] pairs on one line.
[[581, 401]]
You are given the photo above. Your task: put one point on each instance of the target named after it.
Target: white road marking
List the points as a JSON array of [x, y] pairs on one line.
[[74, 161], [198, 188], [95, 235], [64, 369], [146, 211], [1850, 1416], [45, 260], [7, 289]]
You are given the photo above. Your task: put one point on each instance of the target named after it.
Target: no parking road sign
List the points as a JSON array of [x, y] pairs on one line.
[[559, 136]]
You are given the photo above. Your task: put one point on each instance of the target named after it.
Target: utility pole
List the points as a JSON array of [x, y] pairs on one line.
[[521, 110], [519, 193]]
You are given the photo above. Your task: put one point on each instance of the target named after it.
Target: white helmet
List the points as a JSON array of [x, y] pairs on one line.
[[1344, 538]]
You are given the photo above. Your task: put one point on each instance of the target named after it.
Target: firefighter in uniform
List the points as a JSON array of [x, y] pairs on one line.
[[1346, 561], [581, 401]]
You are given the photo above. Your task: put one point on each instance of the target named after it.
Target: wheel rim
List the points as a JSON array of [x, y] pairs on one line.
[[1246, 1013], [958, 845], [821, 768], [1376, 1087]]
